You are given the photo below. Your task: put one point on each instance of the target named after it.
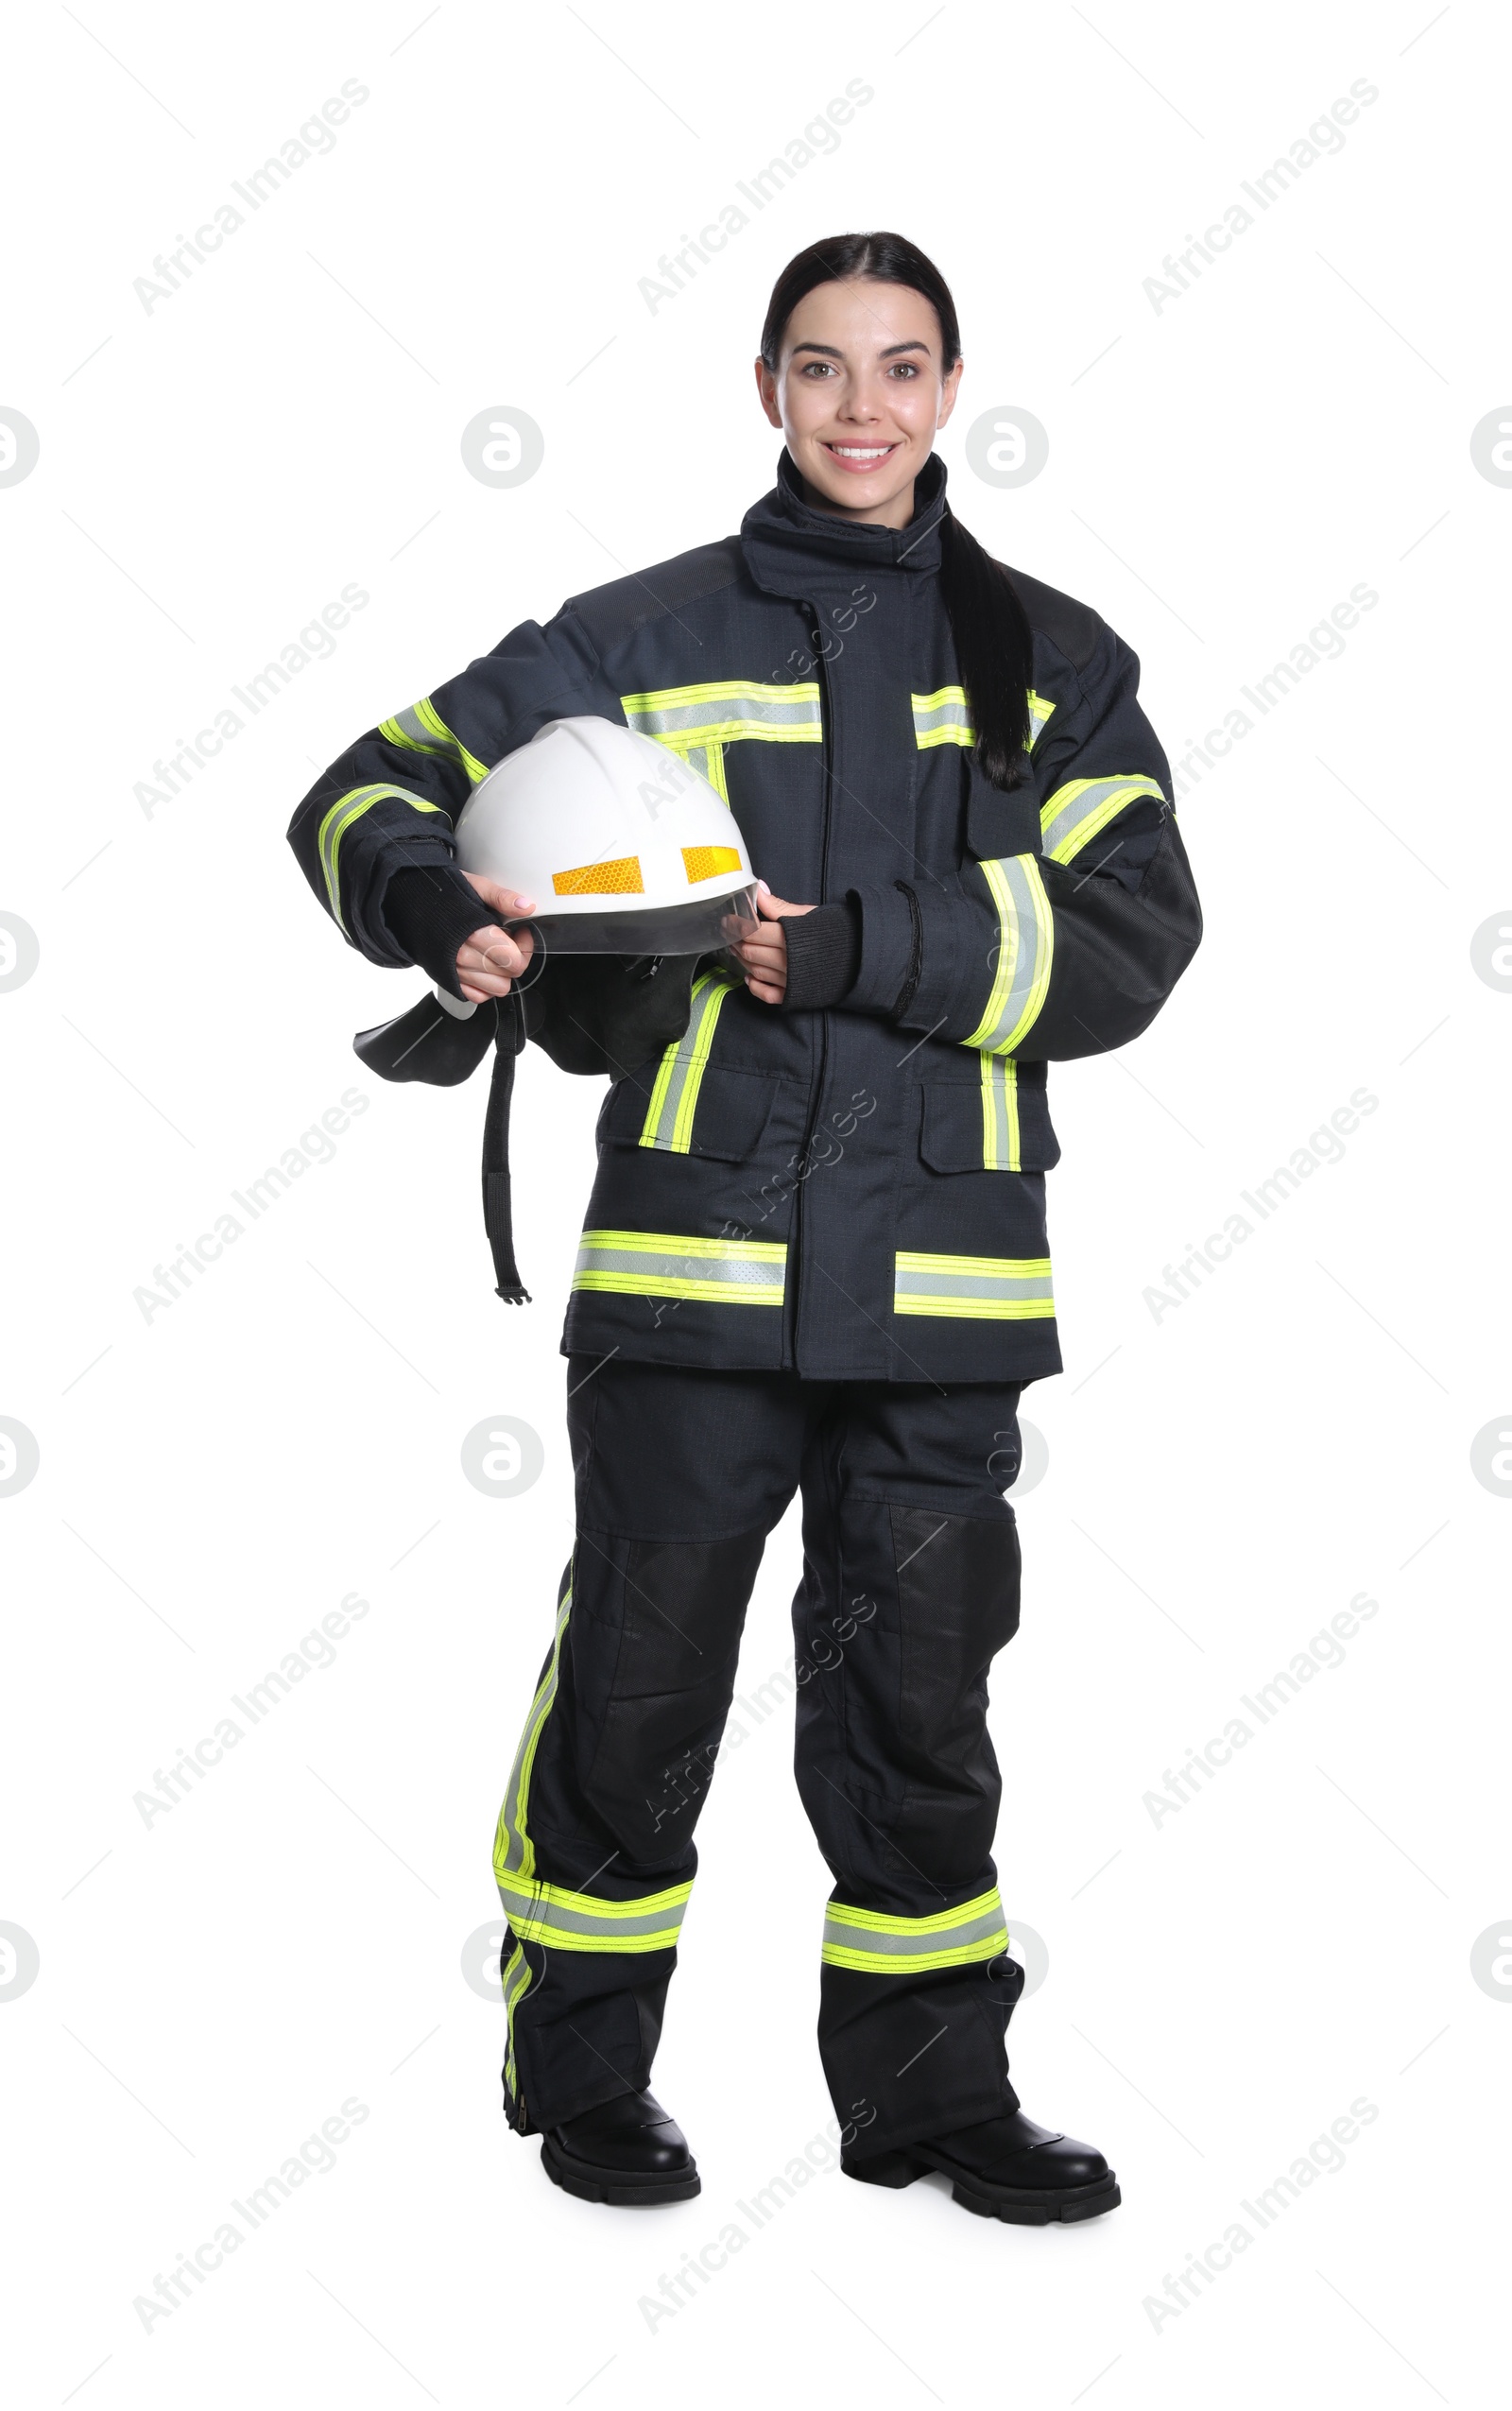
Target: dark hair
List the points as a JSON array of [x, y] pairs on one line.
[[994, 647]]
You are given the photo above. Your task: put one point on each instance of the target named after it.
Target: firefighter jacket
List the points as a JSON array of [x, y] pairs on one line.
[[856, 1193]]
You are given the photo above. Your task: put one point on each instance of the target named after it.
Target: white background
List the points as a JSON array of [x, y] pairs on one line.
[[1222, 1480]]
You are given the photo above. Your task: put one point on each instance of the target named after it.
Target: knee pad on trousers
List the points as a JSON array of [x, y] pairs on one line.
[[655, 1657], [957, 1606]]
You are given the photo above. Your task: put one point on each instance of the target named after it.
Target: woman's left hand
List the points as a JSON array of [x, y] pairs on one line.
[[764, 955]]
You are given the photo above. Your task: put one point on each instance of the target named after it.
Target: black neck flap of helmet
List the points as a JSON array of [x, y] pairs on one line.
[[592, 1013]]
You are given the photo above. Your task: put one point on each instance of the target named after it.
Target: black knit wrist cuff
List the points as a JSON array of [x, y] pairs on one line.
[[823, 955], [428, 911]]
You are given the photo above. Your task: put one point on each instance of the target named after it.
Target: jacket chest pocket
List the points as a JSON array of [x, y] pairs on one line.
[[689, 1107], [998, 1123]]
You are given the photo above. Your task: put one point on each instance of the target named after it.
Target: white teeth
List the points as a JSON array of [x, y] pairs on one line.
[[858, 452]]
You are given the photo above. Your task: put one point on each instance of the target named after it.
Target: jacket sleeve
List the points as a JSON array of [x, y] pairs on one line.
[[391, 803], [1069, 950]]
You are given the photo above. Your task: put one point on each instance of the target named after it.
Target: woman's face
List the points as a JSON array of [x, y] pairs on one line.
[[858, 392]]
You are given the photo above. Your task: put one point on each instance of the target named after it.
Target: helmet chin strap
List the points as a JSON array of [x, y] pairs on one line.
[[497, 1218]]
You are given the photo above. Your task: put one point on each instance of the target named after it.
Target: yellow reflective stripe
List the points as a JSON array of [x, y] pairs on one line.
[[339, 820], [838, 1954], [686, 717], [514, 1854], [654, 1242], [879, 1945], [1026, 937], [516, 1985], [677, 698], [940, 1922], [432, 719], [664, 1264], [709, 759], [421, 728], [1000, 1113], [1076, 812], [568, 1920], [942, 718], [945, 717], [974, 1288], [680, 1074], [731, 730]]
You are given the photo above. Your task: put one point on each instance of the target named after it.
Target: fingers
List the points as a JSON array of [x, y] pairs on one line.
[[762, 967], [490, 959], [764, 960], [776, 907], [504, 900], [767, 945]]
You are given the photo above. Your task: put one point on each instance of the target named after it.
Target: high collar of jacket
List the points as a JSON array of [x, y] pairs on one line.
[[788, 542]]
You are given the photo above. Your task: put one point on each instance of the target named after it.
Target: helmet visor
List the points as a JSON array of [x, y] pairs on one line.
[[700, 927]]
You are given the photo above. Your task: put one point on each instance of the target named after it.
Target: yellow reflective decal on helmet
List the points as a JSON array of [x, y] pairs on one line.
[[619, 878], [704, 862]]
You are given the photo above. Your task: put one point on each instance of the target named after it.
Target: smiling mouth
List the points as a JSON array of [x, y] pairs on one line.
[[858, 456]]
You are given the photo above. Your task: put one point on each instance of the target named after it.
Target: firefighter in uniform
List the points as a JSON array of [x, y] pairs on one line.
[[815, 1258]]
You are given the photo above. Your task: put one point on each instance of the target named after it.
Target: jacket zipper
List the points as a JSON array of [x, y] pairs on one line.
[[827, 728]]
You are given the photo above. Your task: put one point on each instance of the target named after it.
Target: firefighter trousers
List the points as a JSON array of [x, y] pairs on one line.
[[910, 1586]]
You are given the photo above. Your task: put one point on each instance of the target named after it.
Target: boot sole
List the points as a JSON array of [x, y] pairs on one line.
[[613, 2186], [1016, 2205]]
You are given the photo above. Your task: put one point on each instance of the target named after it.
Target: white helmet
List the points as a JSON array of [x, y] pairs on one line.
[[625, 847]]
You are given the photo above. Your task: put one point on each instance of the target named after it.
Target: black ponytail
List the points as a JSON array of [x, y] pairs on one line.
[[994, 647]]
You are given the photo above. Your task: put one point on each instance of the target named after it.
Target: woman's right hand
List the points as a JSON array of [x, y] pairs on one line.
[[490, 957]]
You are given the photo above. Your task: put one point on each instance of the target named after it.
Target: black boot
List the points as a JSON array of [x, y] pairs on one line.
[[1006, 2168], [628, 2150]]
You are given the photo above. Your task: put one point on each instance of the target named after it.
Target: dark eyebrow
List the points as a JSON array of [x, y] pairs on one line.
[[914, 344]]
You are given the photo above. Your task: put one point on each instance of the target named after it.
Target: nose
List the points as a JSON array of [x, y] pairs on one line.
[[860, 404]]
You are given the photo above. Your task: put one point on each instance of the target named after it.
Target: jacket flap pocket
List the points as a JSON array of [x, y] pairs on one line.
[[712, 1112], [998, 1123]]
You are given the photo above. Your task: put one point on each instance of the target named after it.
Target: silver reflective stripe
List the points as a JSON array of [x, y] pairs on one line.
[[1000, 1113], [339, 820], [725, 712], [896, 1945], [1026, 937], [662, 1263], [976, 1288], [945, 717], [1078, 812], [942, 718], [422, 729], [576, 1922], [680, 1074], [932, 1284], [516, 1985], [709, 760], [513, 1851], [926, 1939]]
